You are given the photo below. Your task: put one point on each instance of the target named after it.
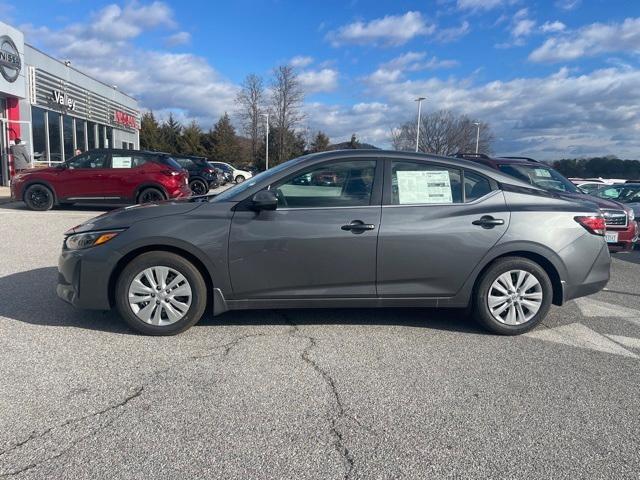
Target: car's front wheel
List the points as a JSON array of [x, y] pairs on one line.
[[161, 293], [513, 296], [39, 198]]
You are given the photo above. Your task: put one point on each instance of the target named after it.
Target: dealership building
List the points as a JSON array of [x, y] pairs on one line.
[[56, 109]]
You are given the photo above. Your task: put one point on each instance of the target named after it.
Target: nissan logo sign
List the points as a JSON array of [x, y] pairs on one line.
[[10, 63]]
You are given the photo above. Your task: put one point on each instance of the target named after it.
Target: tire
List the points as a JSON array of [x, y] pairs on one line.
[[198, 187], [516, 273], [240, 179], [191, 307], [150, 195], [39, 198]]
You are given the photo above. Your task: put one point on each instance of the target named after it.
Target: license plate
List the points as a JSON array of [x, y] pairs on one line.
[[611, 237]]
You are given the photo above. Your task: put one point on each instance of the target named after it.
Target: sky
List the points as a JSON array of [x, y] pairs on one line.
[[553, 78]]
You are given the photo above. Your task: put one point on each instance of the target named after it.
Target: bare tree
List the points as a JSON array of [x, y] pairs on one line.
[[443, 133], [286, 105], [250, 100]]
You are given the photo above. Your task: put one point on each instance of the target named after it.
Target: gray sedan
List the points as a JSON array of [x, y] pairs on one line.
[[372, 229]]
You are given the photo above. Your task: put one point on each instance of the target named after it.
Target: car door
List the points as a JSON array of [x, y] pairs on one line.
[[127, 172], [437, 223], [319, 242], [83, 177]]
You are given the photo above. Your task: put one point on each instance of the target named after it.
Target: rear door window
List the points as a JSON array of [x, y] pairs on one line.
[[420, 183]]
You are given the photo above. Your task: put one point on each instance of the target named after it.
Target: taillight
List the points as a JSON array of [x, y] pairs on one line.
[[209, 170], [172, 173], [593, 224]]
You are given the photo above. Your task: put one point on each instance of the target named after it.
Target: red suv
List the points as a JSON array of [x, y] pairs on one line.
[[622, 230], [103, 176]]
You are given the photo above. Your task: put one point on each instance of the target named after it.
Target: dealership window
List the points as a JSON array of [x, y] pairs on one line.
[[338, 184], [91, 135], [421, 183], [67, 132], [130, 146], [101, 135], [80, 144], [55, 144], [38, 124], [109, 137]]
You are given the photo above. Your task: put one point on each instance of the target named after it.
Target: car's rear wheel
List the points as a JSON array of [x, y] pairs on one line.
[[240, 179], [150, 195], [39, 198], [198, 187], [161, 293], [513, 296]]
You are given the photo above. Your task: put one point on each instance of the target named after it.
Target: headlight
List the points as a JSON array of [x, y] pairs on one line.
[[632, 215], [80, 241]]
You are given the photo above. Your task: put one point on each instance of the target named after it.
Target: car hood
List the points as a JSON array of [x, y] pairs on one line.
[[590, 199], [127, 216]]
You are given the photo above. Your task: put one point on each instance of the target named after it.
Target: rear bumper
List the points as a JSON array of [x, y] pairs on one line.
[[596, 279], [180, 192]]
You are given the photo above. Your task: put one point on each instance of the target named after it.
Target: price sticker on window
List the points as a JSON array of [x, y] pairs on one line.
[[420, 186]]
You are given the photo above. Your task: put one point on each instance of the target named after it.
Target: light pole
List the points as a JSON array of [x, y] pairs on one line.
[[419, 100], [477, 124], [266, 160]]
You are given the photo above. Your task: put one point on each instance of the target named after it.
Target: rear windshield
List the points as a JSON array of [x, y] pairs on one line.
[[171, 162], [540, 176]]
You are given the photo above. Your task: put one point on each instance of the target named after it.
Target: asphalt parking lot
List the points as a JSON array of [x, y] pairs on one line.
[[323, 394]]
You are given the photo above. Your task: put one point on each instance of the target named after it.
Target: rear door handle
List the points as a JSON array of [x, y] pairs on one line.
[[358, 226], [487, 221]]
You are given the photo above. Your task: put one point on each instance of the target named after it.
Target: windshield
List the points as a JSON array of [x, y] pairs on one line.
[[621, 193], [247, 184], [540, 176]]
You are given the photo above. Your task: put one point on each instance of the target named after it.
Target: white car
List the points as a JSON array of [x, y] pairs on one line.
[[238, 175]]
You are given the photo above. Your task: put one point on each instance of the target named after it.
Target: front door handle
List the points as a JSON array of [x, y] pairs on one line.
[[487, 221], [358, 226]]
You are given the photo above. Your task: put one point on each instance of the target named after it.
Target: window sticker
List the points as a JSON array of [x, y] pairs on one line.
[[424, 187], [121, 162], [541, 172]]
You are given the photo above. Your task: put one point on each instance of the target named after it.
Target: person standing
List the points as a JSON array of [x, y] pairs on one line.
[[21, 157]]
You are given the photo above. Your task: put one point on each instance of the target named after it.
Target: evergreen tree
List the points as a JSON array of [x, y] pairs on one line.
[[171, 130], [191, 140], [223, 141], [320, 143], [150, 138]]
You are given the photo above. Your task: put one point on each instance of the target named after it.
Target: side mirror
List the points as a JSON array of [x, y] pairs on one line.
[[264, 200]]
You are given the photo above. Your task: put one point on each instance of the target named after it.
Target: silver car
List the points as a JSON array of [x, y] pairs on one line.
[[378, 229]]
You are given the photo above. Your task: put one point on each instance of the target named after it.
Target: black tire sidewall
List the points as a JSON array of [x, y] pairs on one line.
[[49, 205], [182, 265], [241, 177], [149, 189], [481, 312], [204, 185]]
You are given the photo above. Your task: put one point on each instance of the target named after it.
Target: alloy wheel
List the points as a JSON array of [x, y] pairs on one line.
[[39, 197], [151, 196], [198, 187], [160, 295], [515, 297]]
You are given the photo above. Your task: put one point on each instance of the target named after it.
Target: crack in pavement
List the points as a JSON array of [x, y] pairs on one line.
[[228, 347], [339, 443]]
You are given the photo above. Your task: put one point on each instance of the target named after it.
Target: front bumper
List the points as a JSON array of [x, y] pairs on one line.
[[83, 277], [626, 238]]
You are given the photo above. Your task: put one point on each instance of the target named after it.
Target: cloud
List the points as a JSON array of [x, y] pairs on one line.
[[324, 80], [179, 38], [481, 4], [156, 78], [568, 4], [520, 27], [391, 30], [553, 27], [591, 40], [551, 116], [301, 61], [394, 69], [452, 34]]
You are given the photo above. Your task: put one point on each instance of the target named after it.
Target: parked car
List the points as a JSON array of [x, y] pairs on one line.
[[430, 232], [591, 188], [626, 193], [237, 175], [202, 176], [102, 176], [622, 230]]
